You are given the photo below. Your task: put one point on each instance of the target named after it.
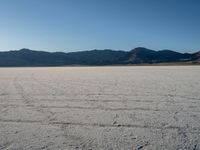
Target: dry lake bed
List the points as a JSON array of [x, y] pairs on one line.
[[111, 108]]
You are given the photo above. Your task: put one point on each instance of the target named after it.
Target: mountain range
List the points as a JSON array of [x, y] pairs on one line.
[[139, 55]]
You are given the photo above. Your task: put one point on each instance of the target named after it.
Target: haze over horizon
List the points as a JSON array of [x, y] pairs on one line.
[[69, 25]]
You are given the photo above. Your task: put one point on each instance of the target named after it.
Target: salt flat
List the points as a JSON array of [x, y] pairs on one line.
[[119, 108]]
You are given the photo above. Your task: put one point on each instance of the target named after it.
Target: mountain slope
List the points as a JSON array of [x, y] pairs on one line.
[[96, 57], [143, 55], [26, 57]]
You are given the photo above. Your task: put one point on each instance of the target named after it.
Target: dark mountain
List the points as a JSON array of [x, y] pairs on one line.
[[96, 57], [143, 55], [26, 57], [196, 56]]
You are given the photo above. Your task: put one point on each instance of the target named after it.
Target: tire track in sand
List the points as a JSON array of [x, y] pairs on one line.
[[29, 101], [49, 116], [101, 125]]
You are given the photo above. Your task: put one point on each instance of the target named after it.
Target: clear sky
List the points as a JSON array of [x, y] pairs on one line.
[[71, 25]]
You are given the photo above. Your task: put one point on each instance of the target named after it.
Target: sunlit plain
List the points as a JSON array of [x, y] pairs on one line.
[[153, 107]]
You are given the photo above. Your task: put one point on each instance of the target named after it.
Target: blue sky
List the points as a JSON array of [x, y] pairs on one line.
[[71, 25]]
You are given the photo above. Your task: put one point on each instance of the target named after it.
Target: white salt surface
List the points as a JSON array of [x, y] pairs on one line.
[[112, 108]]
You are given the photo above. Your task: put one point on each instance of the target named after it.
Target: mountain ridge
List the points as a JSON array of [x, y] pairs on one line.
[[139, 55]]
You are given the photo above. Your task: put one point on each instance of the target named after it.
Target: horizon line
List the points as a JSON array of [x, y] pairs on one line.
[[97, 49]]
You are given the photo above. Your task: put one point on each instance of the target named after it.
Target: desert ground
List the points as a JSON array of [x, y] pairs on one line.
[[97, 108]]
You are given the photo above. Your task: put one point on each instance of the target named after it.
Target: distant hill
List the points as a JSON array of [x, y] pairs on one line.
[[140, 55], [196, 57], [143, 55]]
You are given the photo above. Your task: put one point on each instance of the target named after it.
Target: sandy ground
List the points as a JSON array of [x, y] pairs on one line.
[[112, 108]]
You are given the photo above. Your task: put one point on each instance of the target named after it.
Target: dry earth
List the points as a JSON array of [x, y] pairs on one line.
[[112, 108]]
